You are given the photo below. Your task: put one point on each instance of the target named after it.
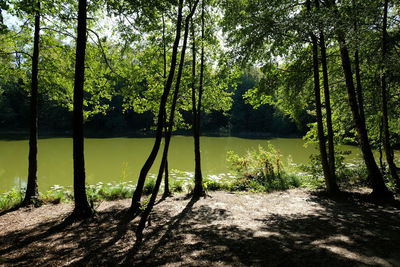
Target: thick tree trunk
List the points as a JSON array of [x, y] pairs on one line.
[[198, 178], [146, 213], [82, 208], [317, 99], [32, 192], [385, 119], [333, 188], [135, 205]]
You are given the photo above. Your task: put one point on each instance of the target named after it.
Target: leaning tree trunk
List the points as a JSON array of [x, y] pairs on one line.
[[135, 205], [385, 119], [317, 99], [32, 192], [150, 205], [82, 208], [198, 178]]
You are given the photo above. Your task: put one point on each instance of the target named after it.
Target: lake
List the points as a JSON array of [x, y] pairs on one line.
[[117, 159]]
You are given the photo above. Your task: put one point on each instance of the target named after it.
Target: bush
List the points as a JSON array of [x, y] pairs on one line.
[[261, 171], [11, 199], [149, 186], [346, 174], [177, 185]]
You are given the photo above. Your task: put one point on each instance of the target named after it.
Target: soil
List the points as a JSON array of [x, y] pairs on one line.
[[297, 227]]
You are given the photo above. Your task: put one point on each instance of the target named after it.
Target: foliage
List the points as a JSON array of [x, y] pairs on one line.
[[261, 171], [11, 199], [348, 174], [149, 186]]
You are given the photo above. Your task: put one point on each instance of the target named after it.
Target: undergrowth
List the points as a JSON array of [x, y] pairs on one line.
[[261, 170]]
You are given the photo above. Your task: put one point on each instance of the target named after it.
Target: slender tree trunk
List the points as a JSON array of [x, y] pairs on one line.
[[198, 178], [380, 146], [167, 192], [360, 99], [331, 146], [357, 69], [385, 117], [150, 160], [317, 99], [146, 213], [32, 192], [82, 208]]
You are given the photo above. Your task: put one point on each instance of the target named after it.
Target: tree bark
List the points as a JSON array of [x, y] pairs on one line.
[[198, 178], [32, 192], [135, 205], [82, 208], [385, 119], [146, 213]]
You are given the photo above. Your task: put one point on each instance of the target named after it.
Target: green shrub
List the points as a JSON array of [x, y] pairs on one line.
[[346, 174], [11, 199], [177, 185], [149, 186], [261, 171]]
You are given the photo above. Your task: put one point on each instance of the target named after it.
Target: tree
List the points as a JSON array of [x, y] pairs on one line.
[[327, 169], [32, 192], [82, 208], [375, 176], [135, 205], [388, 147], [196, 107], [146, 213]]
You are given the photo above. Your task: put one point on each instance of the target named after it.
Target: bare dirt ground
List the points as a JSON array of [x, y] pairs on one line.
[[297, 227]]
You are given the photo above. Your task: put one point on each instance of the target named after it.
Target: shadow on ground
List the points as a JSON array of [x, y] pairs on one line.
[[349, 231]]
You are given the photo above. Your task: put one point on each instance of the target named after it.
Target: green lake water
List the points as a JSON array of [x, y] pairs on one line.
[[120, 159]]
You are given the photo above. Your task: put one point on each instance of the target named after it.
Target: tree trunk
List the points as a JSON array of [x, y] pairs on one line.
[[32, 192], [378, 186], [167, 192], [135, 205], [82, 208], [357, 69], [333, 187], [146, 213], [198, 178], [375, 176], [385, 119], [317, 99]]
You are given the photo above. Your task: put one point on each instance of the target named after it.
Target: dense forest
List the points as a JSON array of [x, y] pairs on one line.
[[323, 69]]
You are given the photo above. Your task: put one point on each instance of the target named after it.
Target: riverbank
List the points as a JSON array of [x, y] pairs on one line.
[[295, 227]]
